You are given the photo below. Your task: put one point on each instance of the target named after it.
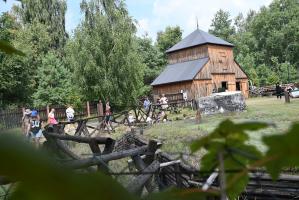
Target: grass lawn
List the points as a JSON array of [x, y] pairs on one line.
[[177, 135]]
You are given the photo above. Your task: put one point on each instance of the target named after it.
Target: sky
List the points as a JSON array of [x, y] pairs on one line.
[[155, 15]]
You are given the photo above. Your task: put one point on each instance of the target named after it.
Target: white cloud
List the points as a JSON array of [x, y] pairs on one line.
[[143, 27], [185, 12]]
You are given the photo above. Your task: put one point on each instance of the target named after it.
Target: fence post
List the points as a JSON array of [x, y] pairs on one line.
[[23, 111], [287, 96], [48, 110], [100, 110], [88, 109]]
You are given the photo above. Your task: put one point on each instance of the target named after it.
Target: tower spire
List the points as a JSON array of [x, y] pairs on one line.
[[196, 23]]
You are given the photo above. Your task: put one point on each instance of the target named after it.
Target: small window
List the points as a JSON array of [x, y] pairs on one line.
[[224, 85], [238, 86]]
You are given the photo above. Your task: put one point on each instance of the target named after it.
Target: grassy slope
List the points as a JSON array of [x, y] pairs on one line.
[[177, 135]]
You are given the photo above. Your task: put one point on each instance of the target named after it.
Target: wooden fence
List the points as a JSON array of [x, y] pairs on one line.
[[12, 118]]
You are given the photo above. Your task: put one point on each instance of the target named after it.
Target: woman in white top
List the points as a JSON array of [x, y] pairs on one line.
[[163, 102]]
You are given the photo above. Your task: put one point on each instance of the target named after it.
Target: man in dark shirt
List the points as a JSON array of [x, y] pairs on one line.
[[35, 128], [278, 91]]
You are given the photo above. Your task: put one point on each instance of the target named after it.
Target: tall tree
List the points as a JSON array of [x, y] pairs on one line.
[[166, 39], [277, 30], [54, 82], [151, 57], [103, 54], [14, 77], [222, 25], [50, 13]]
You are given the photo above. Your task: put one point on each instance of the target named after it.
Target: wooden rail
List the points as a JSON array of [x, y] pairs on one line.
[[157, 170]]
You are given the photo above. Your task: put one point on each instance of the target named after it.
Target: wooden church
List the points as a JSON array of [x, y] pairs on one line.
[[199, 65]]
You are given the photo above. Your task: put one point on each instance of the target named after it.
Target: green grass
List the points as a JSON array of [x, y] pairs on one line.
[[12, 131], [177, 135]]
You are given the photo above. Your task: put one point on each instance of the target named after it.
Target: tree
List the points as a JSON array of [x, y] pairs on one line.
[[222, 25], [14, 77], [151, 57], [50, 13], [168, 38], [103, 54], [54, 82], [277, 29]]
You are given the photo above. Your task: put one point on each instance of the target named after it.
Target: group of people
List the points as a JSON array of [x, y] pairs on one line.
[[32, 124], [162, 103]]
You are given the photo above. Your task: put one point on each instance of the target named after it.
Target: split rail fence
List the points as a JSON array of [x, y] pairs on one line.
[[154, 170]]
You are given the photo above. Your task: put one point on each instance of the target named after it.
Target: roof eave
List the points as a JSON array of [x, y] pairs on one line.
[[171, 82], [227, 45]]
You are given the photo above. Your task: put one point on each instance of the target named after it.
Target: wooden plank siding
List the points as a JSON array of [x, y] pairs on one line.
[[192, 53], [221, 61], [173, 88], [201, 88]]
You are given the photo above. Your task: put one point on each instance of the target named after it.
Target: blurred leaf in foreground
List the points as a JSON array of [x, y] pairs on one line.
[[42, 178], [9, 49], [230, 139], [283, 150]]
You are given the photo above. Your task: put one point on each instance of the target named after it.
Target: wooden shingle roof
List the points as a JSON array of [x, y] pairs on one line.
[[196, 38], [184, 71]]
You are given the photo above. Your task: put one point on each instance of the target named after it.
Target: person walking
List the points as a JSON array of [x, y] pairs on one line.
[[146, 104], [108, 116], [70, 115], [26, 121]]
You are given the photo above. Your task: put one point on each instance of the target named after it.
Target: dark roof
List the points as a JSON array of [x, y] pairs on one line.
[[198, 37], [178, 72]]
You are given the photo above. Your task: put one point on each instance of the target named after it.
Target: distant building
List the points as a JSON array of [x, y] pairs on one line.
[[200, 64]]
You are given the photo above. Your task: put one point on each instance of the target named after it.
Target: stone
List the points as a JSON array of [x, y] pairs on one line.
[[222, 102]]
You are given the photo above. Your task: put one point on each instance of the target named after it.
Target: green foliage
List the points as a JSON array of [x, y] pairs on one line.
[[54, 82], [231, 140], [168, 38], [222, 25], [151, 57], [13, 76], [103, 54], [283, 151], [49, 13]]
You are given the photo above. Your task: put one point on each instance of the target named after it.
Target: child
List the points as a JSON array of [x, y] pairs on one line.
[[70, 113], [51, 117], [149, 120], [131, 119], [34, 130]]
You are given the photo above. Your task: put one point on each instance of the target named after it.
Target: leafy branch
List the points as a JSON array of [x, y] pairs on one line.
[[231, 140]]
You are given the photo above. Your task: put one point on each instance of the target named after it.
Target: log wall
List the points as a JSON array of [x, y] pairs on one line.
[[188, 54]]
